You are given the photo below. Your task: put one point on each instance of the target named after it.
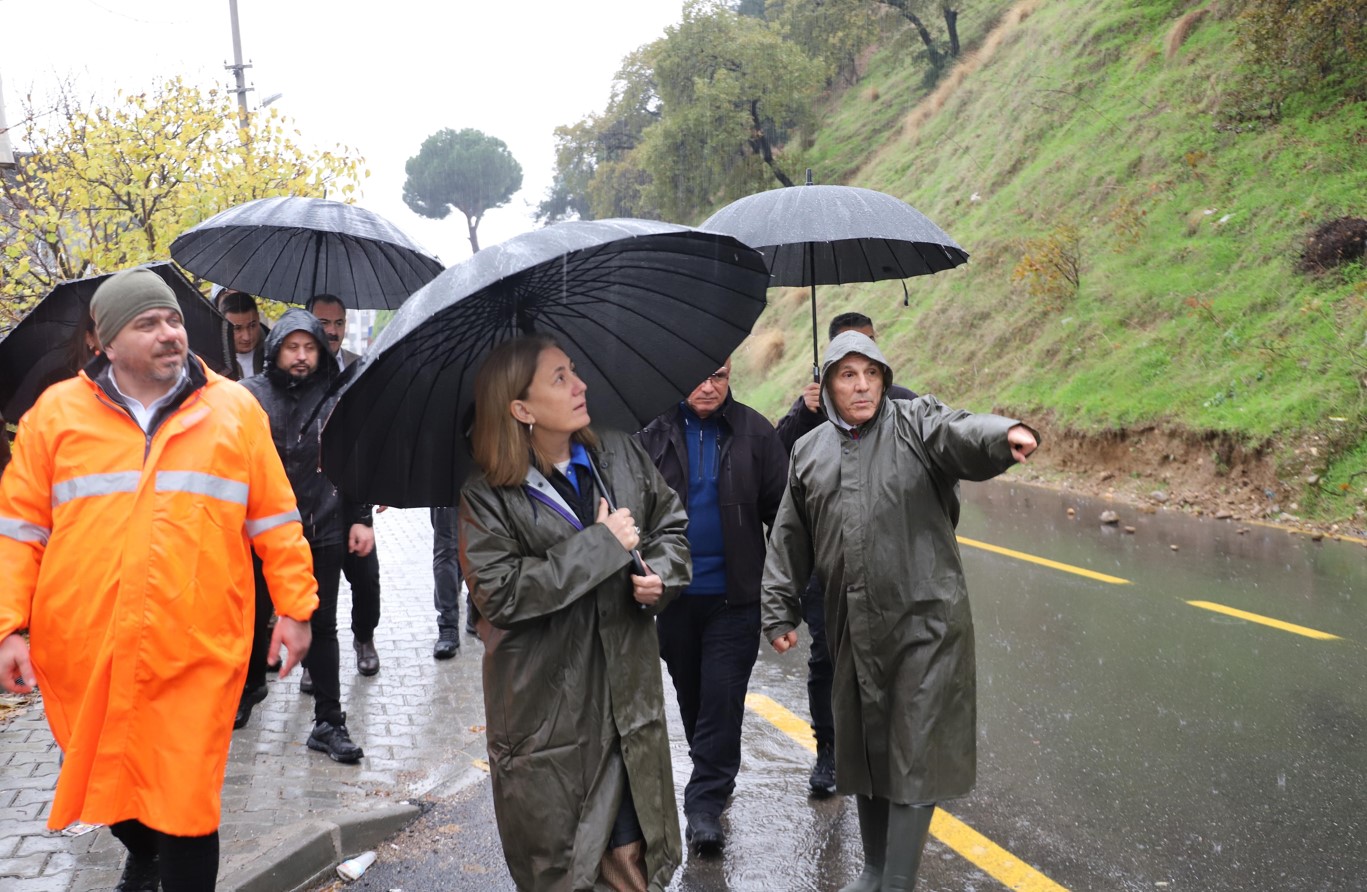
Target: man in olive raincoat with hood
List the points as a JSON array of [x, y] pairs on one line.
[[871, 506]]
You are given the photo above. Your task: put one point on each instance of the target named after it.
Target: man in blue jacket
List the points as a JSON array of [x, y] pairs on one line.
[[729, 468]]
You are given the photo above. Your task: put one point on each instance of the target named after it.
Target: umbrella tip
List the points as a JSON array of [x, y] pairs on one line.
[[809, 177]]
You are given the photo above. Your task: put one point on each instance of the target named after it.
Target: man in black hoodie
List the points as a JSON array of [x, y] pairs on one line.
[[299, 370]]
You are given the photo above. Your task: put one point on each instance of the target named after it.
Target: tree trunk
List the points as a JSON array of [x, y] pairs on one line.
[[472, 224], [937, 58], [952, 26], [760, 144]]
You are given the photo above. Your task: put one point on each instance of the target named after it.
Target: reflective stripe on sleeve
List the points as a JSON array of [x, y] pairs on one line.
[[23, 531], [202, 484], [261, 525], [95, 485]]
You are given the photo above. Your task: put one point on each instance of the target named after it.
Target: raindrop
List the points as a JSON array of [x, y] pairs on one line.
[[1281, 779]]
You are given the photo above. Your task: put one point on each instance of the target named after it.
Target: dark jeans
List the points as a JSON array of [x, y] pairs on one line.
[[820, 669], [710, 648], [322, 658], [363, 575], [445, 568], [186, 863]]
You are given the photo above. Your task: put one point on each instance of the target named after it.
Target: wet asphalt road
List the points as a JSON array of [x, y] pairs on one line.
[[1127, 739]]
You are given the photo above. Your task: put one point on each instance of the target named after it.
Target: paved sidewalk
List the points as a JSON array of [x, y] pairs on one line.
[[289, 814]]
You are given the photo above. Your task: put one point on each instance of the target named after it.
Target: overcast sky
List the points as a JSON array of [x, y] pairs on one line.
[[379, 77]]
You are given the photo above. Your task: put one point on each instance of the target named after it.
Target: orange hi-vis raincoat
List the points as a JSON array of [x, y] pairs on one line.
[[127, 556]]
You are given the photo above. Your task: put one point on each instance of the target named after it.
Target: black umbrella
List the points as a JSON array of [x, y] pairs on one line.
[[49, 344], [289, 249], [646, 310], [833, 235]]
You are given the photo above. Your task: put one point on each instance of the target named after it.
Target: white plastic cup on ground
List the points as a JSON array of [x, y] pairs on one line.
[[352, 868]]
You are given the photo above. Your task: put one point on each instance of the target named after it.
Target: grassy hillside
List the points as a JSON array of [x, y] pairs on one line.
[[1082, 119]]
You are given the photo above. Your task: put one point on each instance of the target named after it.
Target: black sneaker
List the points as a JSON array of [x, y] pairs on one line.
[[139, 875], [335, 741], [448, 643], [250, 698], [823, 772]]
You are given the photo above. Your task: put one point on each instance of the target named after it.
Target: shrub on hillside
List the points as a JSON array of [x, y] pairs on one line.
[[1300, 45], [1334, 244]]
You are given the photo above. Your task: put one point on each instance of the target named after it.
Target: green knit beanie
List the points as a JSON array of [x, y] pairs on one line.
[[126, 295]]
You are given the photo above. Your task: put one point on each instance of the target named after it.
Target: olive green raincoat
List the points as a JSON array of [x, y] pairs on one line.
[[872, 510], [572, 687]]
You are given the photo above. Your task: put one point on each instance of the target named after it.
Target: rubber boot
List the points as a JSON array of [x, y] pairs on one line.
[[908, 826], [873, 830]]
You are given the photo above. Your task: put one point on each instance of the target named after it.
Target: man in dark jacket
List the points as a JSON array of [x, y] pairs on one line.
[[805, 416], [299, 369], [728, 467], [362, 571]]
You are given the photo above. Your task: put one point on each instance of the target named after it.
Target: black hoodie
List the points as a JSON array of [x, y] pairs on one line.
[[289, 403]]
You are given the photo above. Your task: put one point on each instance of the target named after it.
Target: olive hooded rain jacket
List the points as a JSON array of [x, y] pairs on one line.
[[128, 558], [572, 686], [872, 511]]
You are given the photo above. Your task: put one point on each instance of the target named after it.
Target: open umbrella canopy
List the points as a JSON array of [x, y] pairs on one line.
[[646, 310], [48, 345], [291, 248], [833, 235]]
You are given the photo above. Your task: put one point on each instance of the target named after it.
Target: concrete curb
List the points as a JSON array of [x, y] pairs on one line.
[[311, 849]]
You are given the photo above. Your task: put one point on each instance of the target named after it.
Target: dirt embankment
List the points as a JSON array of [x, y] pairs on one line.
[[1208, 474]]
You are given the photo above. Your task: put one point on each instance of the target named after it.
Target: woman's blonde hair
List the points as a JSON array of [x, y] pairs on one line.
[[503, 446]]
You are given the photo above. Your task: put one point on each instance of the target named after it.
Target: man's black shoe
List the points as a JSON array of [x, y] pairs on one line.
[[335, 741], [139, 875], [823, 772], [250, 698], [448, 644], [704, 832], [367, 659], [305, 683]]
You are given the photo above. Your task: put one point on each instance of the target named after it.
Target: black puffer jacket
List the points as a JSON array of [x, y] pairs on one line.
[[290, 402], [750, 481]]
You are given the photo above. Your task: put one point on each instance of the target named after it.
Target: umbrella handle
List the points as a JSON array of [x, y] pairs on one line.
[[638, 566]]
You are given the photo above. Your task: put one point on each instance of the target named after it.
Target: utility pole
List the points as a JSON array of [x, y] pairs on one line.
[[238, 68], [6, 148]]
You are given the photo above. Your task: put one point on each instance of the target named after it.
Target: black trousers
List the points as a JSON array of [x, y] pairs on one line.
[[820, 669], [261, 635], [445, 568], [186, 863], [363, 575], [322, 659], [710, 648]]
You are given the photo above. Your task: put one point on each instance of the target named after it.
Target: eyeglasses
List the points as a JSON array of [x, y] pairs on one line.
[[719, 377]]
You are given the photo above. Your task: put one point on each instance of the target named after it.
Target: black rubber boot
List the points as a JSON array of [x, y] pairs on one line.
[[908, 826], [873, 830]]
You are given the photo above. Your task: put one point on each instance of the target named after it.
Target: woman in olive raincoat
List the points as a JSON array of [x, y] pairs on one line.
[[574, 706], [871, 506]]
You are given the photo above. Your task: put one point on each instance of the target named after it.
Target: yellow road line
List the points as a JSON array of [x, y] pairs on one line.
[[1265, 620], [1044, 562], [982, 852]]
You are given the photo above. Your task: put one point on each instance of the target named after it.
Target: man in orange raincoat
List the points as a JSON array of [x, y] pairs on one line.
[[128, 514]]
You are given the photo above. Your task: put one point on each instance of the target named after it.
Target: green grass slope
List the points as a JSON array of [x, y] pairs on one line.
[[1190, 313]]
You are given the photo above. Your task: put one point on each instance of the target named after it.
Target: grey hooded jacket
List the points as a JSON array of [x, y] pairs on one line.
[[872, 511]]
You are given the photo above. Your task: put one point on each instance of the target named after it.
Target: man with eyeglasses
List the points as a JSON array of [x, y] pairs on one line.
[[248, 333], [729, 468]]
